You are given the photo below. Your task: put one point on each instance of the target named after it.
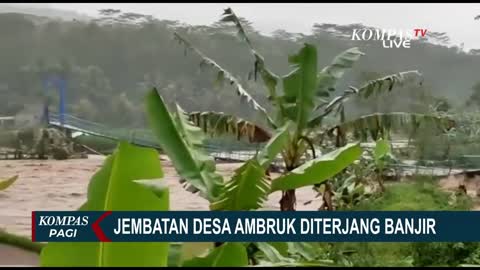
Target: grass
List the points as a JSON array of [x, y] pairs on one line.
[[420, 194]]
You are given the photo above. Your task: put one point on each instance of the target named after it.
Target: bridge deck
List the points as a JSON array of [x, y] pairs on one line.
[[141, 138], [222, 152]]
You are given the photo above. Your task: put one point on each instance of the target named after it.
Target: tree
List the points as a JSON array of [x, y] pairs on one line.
[[442, 105], [474, 99], [300, 110], [85, 109]]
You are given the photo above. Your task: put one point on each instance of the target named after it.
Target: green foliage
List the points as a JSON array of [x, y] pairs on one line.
[[273, 253], [181, 141], [421, 194], [450, 147], [351, 191], [190, 250], [113, 188], [474, 99], [278, 254], [299, 86], [249, 181], [382, 156], [373, 88], [387, 83], [227, 255], [302, 85], [372, 254], [318, 170], [359, 181], [379, 125], [310, 252], [127, 182], [328, 77], [269, 78], [274, 146], [382, 148], [223, 74], [446, 254], [301, 102]]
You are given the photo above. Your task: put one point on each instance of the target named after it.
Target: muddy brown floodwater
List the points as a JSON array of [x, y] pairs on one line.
[[62, 185]]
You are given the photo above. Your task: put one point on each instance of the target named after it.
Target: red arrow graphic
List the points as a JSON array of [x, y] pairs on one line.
[[98, 231], [33, 226]]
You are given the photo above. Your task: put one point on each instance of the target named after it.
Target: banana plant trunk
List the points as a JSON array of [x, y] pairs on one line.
[[327, 203], [288, 200]]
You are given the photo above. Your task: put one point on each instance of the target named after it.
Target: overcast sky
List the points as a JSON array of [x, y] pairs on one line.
[[455, 19]]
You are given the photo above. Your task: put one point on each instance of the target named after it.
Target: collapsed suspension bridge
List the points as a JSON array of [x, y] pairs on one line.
[[226, 151], [145, 138]]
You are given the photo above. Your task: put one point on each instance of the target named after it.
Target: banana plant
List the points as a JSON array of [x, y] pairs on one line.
[[353, 185], [249, 187], [381, 154], [129, 181], [304, 99]]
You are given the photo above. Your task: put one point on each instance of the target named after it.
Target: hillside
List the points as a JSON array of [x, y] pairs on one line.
[[110, 62]]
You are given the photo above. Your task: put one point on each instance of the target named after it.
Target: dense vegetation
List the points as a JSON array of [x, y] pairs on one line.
[[110, 64], [420, 194]]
